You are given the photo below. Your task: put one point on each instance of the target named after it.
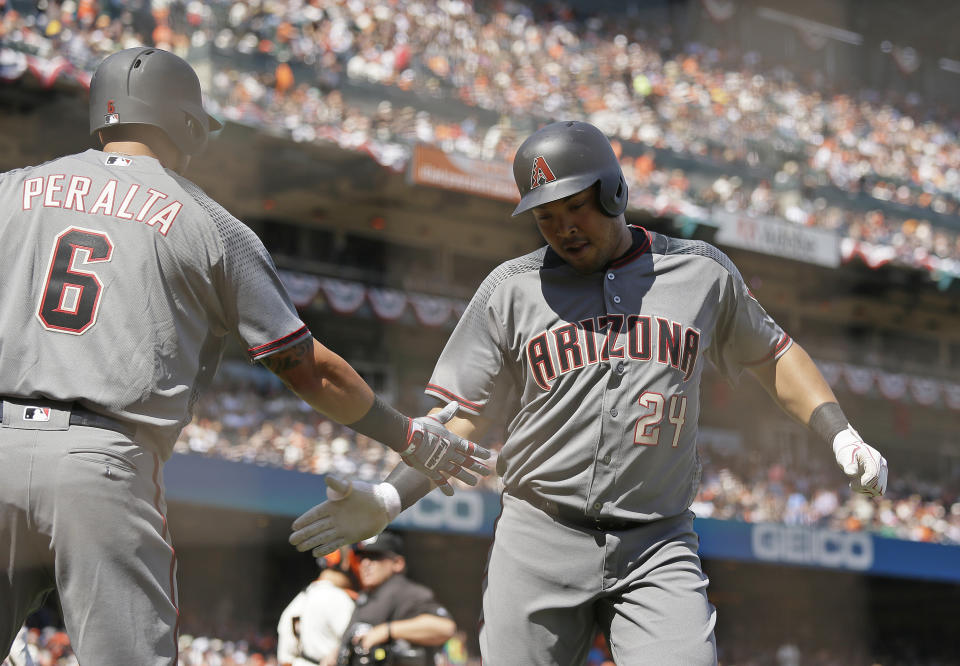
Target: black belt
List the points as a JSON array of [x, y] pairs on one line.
[[82, 416], [570, 516]]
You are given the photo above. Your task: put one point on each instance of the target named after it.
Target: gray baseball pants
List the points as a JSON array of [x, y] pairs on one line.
[[82, 510], [550, 585]]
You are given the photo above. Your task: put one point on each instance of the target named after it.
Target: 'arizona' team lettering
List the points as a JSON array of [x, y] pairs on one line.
[[573, 345]]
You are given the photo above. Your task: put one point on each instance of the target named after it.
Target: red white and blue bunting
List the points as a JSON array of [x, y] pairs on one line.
[[347, 297], [892, 386]]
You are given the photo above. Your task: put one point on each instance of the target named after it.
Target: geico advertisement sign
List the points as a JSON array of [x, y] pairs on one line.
[[461, 513], [802, 545]]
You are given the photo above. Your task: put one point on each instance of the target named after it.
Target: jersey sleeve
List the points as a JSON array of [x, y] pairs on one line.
[[254, 304], [746, 335], [258, 307], [472, 360]]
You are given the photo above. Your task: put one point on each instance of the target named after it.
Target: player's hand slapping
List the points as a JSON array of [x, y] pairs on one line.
[[356, 510], [862, 463], [440, 454], [353, 511]]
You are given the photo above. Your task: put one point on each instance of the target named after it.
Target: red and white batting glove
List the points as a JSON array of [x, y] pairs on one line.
[[440, 454], [862, 463]]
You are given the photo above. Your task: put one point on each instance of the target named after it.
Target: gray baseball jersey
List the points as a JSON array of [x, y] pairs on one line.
[[598, 380], [121, 281], [598, 376]]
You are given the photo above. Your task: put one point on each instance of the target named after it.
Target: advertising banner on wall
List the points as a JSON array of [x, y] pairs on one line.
[[778, 238], [432, 166]]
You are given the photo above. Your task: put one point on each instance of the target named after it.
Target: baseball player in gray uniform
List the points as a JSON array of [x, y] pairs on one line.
[[121, 281], [591, 351]]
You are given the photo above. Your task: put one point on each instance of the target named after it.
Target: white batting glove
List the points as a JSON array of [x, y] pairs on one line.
[[862, 463], [354, 511]]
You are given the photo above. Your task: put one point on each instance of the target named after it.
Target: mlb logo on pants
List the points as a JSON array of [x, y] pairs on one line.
[[36, 413]]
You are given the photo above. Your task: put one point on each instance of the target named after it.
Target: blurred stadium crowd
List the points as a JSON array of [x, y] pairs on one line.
[[50, 646], [264, 424], [698, 128]]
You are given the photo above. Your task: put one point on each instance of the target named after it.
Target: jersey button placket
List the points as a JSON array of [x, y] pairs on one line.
[[611, 276]]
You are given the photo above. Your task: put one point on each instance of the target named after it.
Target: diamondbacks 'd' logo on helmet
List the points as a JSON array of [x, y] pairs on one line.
[[541, 173]]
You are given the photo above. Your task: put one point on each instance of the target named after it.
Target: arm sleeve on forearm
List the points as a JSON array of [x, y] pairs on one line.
[[384, 424], [411, 485], [827, 420]]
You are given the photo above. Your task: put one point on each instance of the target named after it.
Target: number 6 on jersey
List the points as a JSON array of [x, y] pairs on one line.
[[71, 296]]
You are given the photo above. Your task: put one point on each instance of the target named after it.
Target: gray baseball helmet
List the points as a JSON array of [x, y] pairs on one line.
[[150, 86], [564, 158]]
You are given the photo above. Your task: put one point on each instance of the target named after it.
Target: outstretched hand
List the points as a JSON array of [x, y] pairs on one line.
[[353, 511], [440, 454]]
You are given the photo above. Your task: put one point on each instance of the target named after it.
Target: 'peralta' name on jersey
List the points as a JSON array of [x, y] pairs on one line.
[[55, 191], [590, 341]]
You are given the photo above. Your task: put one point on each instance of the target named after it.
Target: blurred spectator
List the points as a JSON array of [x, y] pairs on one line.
[[312, 625], [396, 620]]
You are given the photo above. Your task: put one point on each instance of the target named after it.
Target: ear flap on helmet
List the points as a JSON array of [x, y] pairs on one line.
[[613, 195]]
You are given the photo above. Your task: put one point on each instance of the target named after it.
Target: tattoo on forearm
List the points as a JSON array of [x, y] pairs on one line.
[[288, 359]]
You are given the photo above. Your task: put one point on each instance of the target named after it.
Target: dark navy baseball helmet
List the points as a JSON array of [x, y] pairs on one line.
[[564, 158], [150, 86]]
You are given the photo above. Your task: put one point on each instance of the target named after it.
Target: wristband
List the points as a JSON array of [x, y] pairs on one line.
[[384, 424], [390, 498], [827, 420], [389, 631]]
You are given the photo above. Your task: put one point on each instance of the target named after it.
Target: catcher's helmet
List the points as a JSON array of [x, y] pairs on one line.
[[564, 158], [150, 86]]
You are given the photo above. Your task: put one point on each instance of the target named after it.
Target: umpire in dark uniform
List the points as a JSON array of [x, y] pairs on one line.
[[396, 622]]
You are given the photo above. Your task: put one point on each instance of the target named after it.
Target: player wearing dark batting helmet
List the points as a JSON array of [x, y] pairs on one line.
[[152, 87], [122, 281], [591, 350]]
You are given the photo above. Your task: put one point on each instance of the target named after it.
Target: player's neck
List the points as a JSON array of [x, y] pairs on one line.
[[171, 159], [130, 149]]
